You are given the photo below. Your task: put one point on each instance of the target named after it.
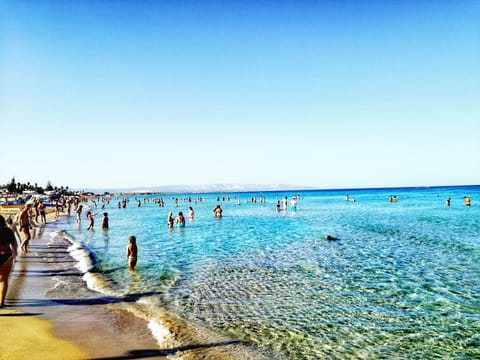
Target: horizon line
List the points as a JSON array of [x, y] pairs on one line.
[[238, 188]]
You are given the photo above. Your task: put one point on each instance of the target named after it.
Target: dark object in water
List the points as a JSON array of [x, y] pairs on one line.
[[331, 238]]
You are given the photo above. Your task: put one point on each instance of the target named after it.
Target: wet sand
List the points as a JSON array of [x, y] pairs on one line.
[[86, 324], [82, 319]]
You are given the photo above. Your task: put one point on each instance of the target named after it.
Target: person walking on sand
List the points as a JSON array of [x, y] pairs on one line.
[[8, 252], [24, 220], [132, 252]]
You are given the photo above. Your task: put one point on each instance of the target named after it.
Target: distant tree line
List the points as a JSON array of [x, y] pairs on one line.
[[17, 187]]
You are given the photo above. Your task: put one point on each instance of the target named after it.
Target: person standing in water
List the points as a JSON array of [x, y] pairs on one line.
[[79, 213], [218, 211], [8, 252], [132, 252], [180, 220], [105, 221], [41, 211], [293, 204], [90, 221], [170, 220]]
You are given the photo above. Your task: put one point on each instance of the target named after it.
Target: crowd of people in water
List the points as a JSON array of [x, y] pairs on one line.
[[33, 216]]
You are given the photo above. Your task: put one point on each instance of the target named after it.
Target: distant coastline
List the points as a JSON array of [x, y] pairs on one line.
[[241, 188], [227, 188]]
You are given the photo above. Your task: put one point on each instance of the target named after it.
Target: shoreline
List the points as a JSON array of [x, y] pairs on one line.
[[92, 325], [81, 320]]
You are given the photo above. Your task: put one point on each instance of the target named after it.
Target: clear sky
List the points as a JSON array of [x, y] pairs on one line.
[[326, 94]]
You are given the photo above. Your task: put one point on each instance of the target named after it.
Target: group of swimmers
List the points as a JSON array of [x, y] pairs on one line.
[[466, 200], [179, 220], [393, 199], [91, 221], [8, 243], [132, 249], [284, 204], [348, 198], [90, 218]]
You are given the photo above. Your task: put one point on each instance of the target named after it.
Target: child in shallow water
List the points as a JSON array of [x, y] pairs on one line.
[[90, 221], [170, 220], [105, 221], [132, 252]]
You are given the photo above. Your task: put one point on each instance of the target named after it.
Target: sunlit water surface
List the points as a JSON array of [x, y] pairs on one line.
[[402, 281]]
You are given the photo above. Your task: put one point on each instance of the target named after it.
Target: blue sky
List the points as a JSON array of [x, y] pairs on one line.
[[326, 94]]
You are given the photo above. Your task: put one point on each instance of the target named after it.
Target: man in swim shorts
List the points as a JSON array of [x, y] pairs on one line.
[[25, 226]]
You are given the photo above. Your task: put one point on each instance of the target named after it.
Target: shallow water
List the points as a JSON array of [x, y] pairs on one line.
[[403, 281]]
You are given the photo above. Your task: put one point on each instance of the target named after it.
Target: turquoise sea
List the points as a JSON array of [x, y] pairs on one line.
[[402, 281]]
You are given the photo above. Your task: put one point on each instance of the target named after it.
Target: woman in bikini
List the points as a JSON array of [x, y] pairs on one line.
[[8, 252], [180, 220], [170, 220]]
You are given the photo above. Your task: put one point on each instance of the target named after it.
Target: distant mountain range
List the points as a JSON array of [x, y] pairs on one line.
[[206, 188]]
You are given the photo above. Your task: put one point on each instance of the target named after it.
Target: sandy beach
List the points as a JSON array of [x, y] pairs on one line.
[[88, 325], [72, 328]]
